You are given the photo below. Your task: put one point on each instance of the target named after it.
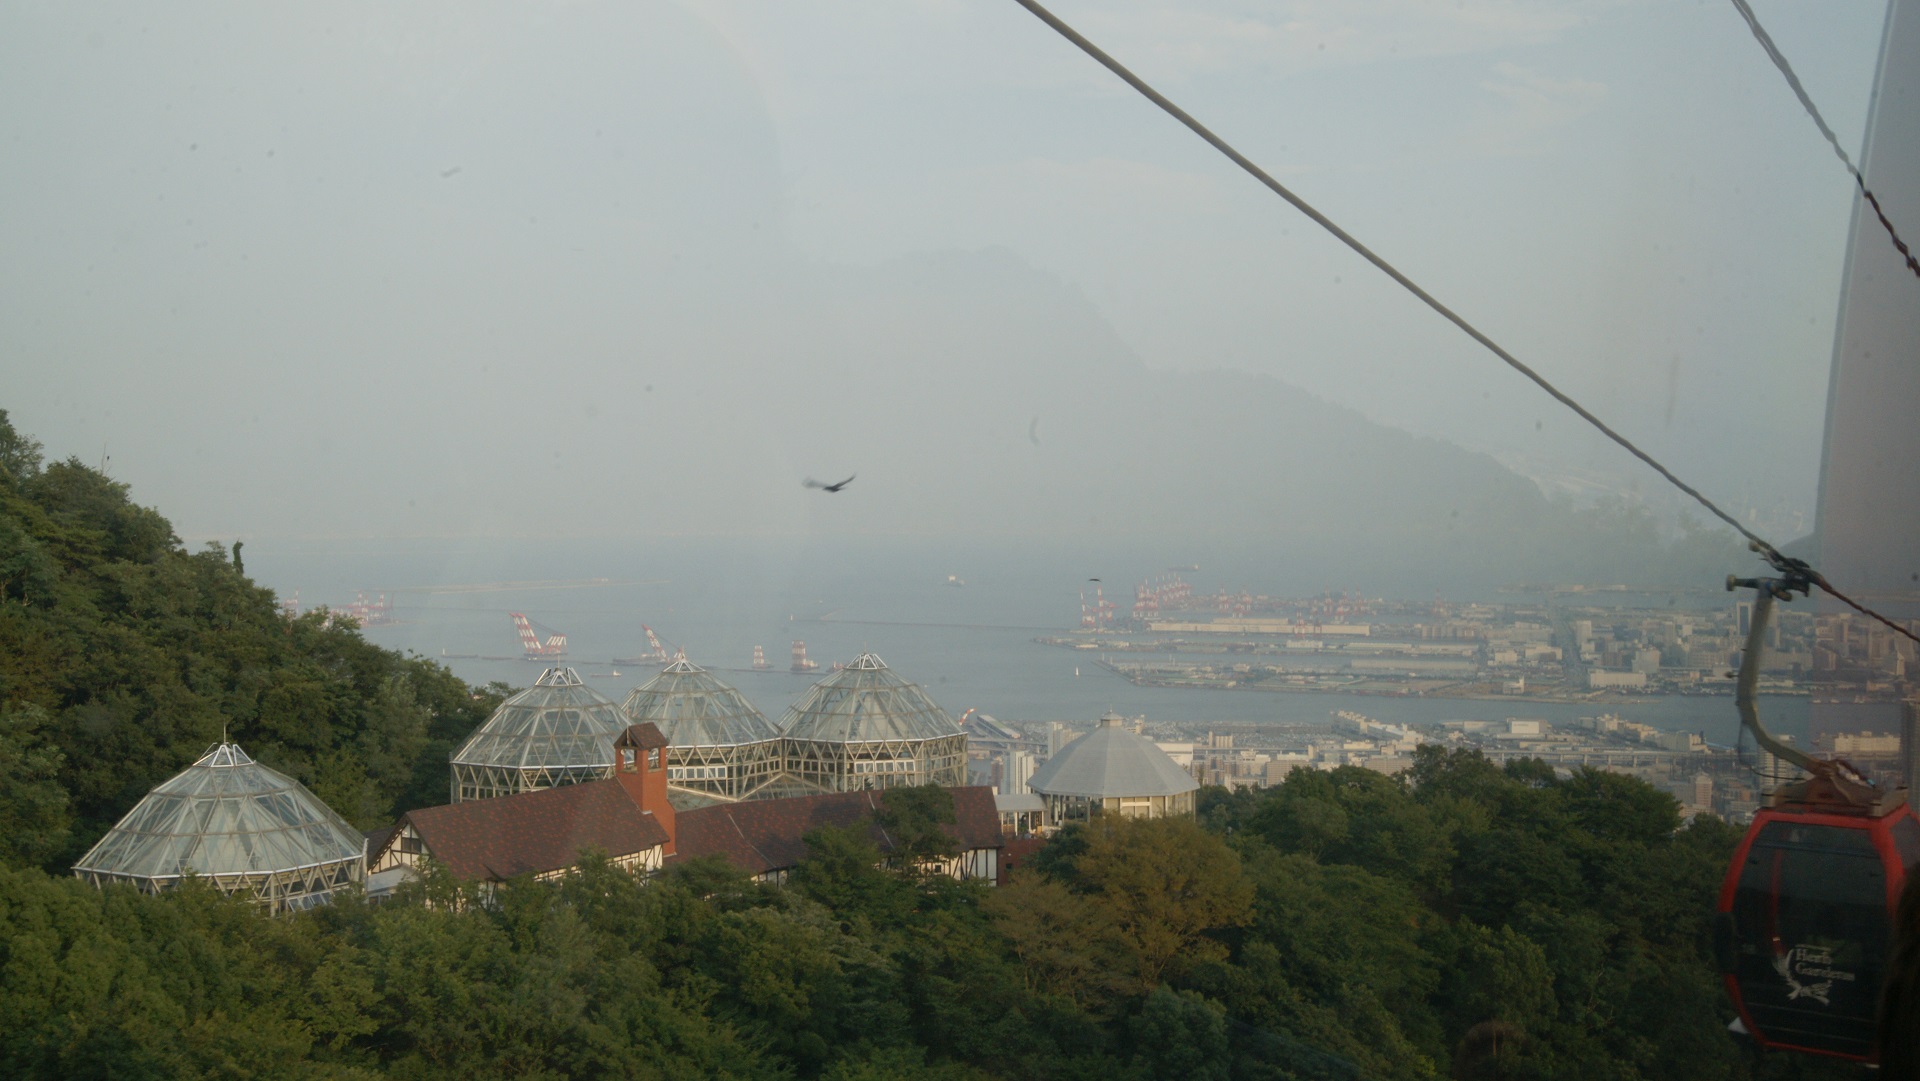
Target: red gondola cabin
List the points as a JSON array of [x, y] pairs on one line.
[[1806, 915]]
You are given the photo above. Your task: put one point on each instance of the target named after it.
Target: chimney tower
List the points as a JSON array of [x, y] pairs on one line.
[[640, 763]]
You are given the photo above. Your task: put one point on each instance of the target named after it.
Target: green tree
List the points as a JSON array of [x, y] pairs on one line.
[[19, 455], [1167, 887], [1182, 1034], [1066, 942], [916, 818], [33, 806]]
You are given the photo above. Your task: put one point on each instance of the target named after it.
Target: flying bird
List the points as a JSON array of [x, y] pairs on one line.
[[811, 483]]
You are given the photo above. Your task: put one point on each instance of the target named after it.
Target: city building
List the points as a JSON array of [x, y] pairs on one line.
[[1599, 680], [1112, 770], [557, 732], [1018, 768], [719, 745], [237, 825], [865, 727]]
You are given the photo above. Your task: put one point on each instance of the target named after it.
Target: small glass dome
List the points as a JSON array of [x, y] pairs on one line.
[[558, 731], [865, 702], [238, 824]]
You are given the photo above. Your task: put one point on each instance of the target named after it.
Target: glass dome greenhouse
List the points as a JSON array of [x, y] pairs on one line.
[[718, 744], [237, 824], [558, 731], [865, 727]]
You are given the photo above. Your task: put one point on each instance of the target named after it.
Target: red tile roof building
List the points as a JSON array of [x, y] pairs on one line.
[[543, 833], [628, 817], [766, 838]]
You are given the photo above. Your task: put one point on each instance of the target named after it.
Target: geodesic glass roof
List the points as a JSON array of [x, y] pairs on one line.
[[693, 709], [226, 814], [864, 703], [556, 723]]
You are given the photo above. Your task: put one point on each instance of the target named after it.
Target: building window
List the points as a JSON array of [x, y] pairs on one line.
[[653, 759], [626, 759]]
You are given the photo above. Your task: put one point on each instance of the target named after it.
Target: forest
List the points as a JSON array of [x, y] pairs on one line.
[[1462, 919]]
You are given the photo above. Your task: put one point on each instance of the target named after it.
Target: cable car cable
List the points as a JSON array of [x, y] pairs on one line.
[[1780, 61], [1760, 544]]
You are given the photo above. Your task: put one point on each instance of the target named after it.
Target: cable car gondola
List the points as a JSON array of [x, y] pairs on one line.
[[1805, 919]]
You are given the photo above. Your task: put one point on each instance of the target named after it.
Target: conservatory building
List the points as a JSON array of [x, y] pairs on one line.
[[557, 732], [864, 727], [718, 745], [1112, 770], [238, 825]]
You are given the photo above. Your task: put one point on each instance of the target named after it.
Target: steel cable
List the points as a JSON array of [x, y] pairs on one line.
[[1780, 61], [1761, 544]]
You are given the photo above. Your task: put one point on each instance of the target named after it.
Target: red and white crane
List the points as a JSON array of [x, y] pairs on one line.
[[554, 646], [655, 651]]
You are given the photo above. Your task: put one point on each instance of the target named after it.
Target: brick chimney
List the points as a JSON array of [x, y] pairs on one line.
[[640, 763]]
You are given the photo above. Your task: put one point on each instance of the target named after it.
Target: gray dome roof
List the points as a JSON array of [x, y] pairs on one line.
[[693, 709], [1109, 762], [557, 723], [224, 815], [866, 703]]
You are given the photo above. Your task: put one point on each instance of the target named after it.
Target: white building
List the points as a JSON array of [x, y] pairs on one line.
[[1113, 771]]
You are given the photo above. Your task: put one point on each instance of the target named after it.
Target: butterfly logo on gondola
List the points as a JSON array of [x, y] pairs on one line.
[[1783, 964]]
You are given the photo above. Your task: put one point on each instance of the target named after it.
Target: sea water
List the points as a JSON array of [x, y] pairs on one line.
[[971, 646]]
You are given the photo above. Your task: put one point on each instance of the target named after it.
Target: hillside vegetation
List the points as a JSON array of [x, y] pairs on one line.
[[125, 656], [1462, 920]]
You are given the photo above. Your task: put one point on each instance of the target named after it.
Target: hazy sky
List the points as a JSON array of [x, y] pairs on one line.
[[369, 268]]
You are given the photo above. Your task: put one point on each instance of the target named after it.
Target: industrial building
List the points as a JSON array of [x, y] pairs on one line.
[[236, 824], [557, 732], [719, 745], [1112, 770], [864, 727]]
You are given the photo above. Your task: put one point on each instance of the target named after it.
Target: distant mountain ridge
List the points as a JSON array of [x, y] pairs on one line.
[[992, 397]]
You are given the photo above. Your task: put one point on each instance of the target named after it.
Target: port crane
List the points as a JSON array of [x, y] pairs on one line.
[[1100, 612], [537, 650], [800, 661]]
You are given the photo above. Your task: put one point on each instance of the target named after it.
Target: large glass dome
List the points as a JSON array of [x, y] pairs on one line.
[[693, 709], [238, 824], [717, 743], [558, 731], [864, 727]]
